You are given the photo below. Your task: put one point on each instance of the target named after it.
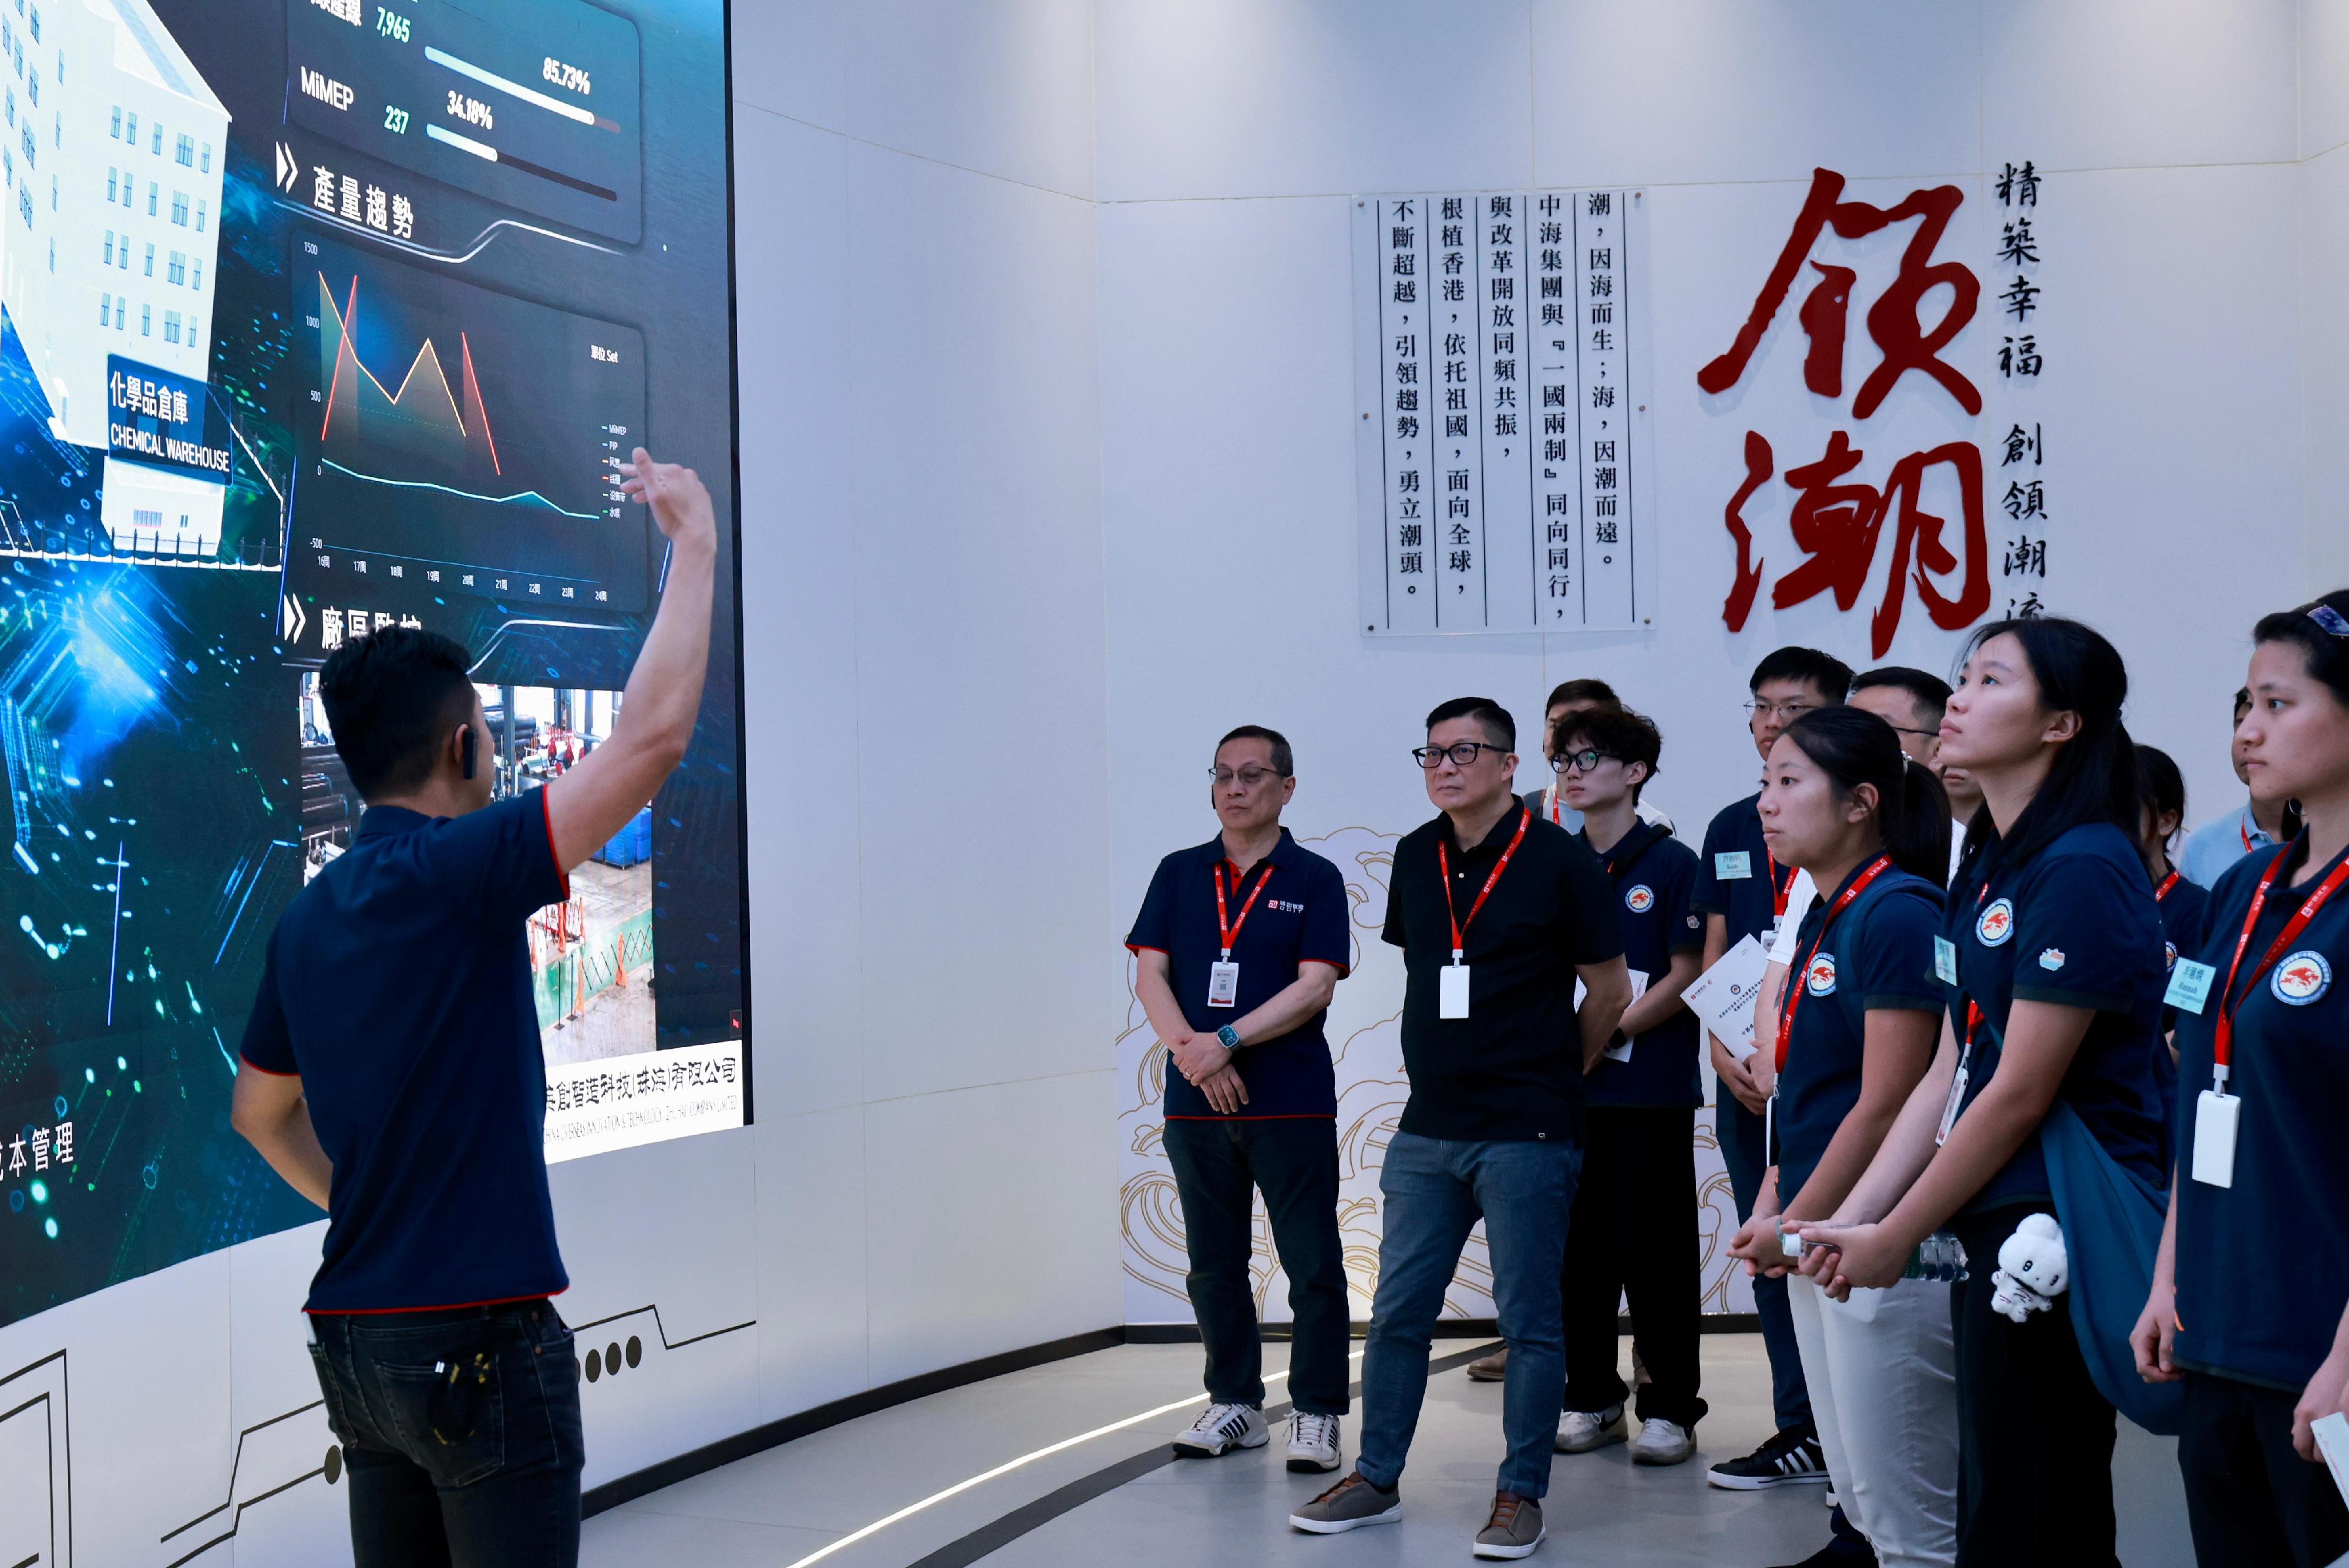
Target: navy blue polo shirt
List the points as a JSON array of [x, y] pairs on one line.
[[398, 986], [1877, 957], [1512, 1069], [1652, 873], [2263, 1265], [1303, 915], [1735, 877], [2075, 925]]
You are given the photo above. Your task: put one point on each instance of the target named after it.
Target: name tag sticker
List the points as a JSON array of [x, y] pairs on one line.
[[1223, 985], [1451, 991], [2189, 985], [1731, 864], [2216, 1116], [1945, 960]]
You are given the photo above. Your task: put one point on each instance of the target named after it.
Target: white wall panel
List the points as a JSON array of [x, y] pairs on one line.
[[2323, 76], [2325, 363], [991, 1220], [1666, 91], [1278, 97], [801, 750], [1005, 89], [2109, 84]]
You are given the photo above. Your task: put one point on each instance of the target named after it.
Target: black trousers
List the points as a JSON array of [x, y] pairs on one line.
[[1633, 1232], [2252, 1500], [481, 1473], [2034, 1438], [1219, 1166]]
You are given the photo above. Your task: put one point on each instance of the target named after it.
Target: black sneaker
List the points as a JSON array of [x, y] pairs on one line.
[[1790, 1457]]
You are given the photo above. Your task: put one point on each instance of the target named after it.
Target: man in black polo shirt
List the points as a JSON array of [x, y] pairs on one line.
[[1238, 947], [394, 1077], [1741, 890], [1499, 914]]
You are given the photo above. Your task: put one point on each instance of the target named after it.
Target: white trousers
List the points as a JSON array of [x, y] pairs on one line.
[[1882, 1372]]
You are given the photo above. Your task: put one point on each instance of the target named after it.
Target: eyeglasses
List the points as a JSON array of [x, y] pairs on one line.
[[1929, 734], [1785, 710], [1461, 754], [1247, 778], [1582, 761]]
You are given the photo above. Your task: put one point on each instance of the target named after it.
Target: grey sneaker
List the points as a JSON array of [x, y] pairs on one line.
[[1662, 1442], [1493, 1368], [1515, 1529], [1221, 1429], [1349, 1505], [1579, 1431]]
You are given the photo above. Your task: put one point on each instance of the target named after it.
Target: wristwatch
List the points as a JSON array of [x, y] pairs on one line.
[[1229, 1036]]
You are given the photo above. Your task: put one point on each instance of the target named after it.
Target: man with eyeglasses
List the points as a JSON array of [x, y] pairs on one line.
[[1499, 914], [1240, 947], [1741, 891], [1568, 700]]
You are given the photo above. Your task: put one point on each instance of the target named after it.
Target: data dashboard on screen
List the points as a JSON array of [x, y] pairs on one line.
[[318, 316]]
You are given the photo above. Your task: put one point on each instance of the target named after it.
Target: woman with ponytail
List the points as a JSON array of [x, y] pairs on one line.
[[1853, 1035], [2051, 952], [2249, 1304]]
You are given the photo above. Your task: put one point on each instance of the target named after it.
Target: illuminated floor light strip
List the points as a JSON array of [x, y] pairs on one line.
[[1005, 1469]]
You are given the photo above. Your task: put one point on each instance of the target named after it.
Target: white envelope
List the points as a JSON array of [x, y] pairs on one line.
[[1723, 996]]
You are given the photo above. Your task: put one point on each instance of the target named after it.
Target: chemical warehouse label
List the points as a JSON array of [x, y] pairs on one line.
[[155, 416]]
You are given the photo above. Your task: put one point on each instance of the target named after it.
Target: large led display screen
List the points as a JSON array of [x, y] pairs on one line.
[[317, 317]]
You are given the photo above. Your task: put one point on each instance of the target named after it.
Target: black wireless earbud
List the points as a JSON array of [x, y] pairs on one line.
[[466, 754]]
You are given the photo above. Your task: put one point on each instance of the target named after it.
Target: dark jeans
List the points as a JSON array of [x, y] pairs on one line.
[[1219, 1166], [483, 1472], [1742, 1137], [1634, 1233], [2034, 1438], [1435, 1190], [2252, 1500]]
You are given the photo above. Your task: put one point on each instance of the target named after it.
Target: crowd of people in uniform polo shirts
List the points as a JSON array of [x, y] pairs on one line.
[[2037, 1128]]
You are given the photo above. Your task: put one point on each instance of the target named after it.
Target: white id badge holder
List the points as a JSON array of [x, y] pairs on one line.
[[1452, 989], [2217, 1116], [1223, 985]]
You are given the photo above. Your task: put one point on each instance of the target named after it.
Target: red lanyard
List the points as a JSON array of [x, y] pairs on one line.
[[1797, 980], [1553, 815], [2223, 1045], [2167, 883], [1778, 895], [2243, 826], [1443, 860], [1225, 927]]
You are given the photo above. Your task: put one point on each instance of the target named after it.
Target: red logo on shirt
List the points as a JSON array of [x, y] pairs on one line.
[[1639, 900], [1997, 923], [2303, 978]]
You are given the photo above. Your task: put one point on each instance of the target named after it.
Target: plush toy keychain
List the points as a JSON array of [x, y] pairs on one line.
[[2032, 1268]]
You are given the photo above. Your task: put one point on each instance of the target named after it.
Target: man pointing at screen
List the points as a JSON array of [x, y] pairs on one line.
[[393, 1076]]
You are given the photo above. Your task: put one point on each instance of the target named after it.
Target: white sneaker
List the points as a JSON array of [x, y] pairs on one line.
[[1220, 1429], [1579, 1431], [1313, 1446], [1661, 1443]]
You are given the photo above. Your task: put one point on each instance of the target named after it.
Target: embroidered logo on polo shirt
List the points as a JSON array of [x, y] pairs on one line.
[[2302, 978], [2169, 955], [1285, 906], [1822, 978], [2051, 959], [1639, 900], [1996, 924]]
